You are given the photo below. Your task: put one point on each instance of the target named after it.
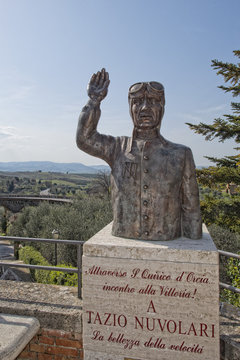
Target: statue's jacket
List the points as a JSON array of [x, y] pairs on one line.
[[153, 185]]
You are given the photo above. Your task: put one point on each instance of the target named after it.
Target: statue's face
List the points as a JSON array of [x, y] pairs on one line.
[[146, 106]]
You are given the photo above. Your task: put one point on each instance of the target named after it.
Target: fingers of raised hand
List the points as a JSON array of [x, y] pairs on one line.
[[106, 80], [93, 79], [102, 77], [105, 85], [98, 84], [99, 78]]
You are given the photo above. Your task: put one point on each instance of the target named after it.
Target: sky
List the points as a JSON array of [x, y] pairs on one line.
[[50, 48]]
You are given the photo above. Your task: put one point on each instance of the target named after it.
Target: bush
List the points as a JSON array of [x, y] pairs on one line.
[[31, 256], [233, 271], [224, 239], [62, 278], [223, 212], [229, 268]]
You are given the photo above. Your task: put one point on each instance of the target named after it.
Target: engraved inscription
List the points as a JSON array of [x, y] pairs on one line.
[[130, 170], [136, 325]]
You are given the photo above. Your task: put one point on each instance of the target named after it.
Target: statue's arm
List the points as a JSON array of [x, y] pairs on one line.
[[191, 215], [87, 138]]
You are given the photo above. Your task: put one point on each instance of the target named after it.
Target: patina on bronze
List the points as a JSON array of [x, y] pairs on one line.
[[153, 184]]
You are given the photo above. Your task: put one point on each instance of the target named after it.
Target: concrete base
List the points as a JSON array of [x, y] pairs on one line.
[[150, 300], [16, 332]]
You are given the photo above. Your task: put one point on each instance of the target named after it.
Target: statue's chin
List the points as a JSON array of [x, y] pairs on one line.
[[146, 124]]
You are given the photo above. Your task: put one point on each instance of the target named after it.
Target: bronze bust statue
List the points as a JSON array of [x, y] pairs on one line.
[[153, 184]]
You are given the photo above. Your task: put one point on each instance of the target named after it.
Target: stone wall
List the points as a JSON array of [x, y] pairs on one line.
[[59, 312]]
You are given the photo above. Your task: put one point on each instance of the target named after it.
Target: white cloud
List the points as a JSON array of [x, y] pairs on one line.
[[203, 115], [11, 133], [189, 117], [212, 109]]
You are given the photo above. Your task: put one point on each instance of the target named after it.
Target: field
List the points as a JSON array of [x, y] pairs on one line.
[[33, 183]]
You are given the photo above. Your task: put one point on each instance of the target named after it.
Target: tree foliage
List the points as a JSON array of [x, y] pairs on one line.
[[212, 176], [227, 127], [233, 270], [223, 212], [79, 221]]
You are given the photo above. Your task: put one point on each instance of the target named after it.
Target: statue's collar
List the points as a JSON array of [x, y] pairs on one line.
[[139, 134], [146, 135]]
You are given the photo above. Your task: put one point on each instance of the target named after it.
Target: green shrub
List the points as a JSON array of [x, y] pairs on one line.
[[225, 239], [229, 268], [221, 211], [31, 256], [62, 278], [233, 271]]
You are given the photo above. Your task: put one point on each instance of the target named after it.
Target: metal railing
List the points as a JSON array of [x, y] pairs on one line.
[[77, 270], [223, 285]]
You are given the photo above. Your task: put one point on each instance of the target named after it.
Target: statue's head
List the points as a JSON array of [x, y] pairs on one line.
[[146, 104]]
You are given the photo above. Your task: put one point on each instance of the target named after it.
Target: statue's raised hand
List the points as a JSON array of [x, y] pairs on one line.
[[98, 85]]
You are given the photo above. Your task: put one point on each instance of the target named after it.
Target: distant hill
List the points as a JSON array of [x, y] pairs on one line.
[[48, 166]]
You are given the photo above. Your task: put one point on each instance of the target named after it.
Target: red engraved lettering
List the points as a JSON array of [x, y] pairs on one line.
[[114, 319], [106, 321], [153, 324], [97, 318], [194, 349], [213, 326], [174, 326], [192, 328], [134, 273], [180, 329], [89, 317], [137, 322], [97, 270], [179, 278], [151, 306], [203, 330], [157, 276], [192, 278], [124, 323], [160, 324], [97, 336]]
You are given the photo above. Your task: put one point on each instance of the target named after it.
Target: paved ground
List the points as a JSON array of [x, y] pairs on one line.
[[6, 254], [6, 250]]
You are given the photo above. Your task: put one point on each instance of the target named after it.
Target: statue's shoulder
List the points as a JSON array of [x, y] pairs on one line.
[[123, 141], [176, 147]]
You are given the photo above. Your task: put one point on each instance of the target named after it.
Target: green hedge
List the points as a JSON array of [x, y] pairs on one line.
[[229, 268], [233, 271], [223, 212], [31, 256]]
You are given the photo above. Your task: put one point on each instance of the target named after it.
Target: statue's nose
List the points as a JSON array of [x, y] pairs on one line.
[[145, 104]]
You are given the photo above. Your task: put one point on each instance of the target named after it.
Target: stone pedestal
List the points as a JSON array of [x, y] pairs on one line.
[[150, 300]]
